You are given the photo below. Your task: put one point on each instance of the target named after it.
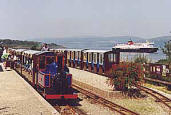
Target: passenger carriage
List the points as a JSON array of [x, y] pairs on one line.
[[99, 61], [9, 62], [18, 59], [159, 70], [74, 57], [29, 65]]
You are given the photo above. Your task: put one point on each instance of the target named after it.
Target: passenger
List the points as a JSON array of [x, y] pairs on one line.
[[5, 55], [66, 69], [5, 50], [45, 47]]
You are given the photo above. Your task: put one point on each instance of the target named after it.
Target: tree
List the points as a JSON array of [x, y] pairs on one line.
[[167, 51], [34, 47], [126, 76]]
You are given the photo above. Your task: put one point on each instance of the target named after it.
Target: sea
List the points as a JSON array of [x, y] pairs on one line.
[[107, 45]]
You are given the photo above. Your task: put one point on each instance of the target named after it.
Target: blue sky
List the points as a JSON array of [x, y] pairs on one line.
[[28, 19]]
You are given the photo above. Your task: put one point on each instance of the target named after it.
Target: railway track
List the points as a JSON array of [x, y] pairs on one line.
[[105, 102], [159, 97], [68, 110]]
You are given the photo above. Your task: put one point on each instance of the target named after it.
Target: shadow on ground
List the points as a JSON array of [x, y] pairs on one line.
[[1, 70]]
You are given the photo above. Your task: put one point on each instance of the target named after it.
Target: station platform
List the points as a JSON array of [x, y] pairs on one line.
[[93, 82], [18, 97], [98, 84]]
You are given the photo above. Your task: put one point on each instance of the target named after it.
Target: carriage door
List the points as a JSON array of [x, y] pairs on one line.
[[60, 62]]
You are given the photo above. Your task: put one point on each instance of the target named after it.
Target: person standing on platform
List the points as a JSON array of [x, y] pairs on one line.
[[4, 56], [45, 47]]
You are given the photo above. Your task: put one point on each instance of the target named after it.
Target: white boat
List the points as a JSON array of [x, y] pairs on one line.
[[147, 47]]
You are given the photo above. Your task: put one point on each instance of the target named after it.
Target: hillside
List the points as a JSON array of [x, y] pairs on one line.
[[160, 41], [102, 42], [91, 42], [26, 44]]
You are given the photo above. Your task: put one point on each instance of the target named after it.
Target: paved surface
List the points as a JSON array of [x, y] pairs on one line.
[[92, 79], [94, 83], [17, 97]]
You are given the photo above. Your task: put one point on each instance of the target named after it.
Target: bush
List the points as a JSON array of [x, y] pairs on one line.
[[126, 76]]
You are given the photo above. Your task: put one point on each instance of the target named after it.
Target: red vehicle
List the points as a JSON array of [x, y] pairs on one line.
[[47, 72]]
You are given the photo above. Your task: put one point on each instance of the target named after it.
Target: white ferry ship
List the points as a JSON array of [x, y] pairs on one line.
[[147, 47]]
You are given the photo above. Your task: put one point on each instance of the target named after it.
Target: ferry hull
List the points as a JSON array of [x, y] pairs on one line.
[[139, 50]]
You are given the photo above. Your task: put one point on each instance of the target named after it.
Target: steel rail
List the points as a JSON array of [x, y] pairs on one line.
[[67, 109], [105, 102], [75, 110], [158, 96]]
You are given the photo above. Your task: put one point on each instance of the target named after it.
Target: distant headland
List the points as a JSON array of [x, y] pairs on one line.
[[18, 44]]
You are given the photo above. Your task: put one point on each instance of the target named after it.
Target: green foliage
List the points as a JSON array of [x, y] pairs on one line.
[[126, 75], [162, 61], [167, 50], [141, 59], [35, 47]]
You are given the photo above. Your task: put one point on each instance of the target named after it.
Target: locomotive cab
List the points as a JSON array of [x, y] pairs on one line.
[[53, 78]]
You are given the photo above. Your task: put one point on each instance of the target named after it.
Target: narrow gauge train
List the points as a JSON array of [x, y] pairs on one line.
[[159, 70], [96, 61], [46, 71]]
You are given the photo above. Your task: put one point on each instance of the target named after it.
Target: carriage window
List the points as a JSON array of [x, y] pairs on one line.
[[24, 60], [42, 62], [101, 59], [68, 55], [49, 60], [95, 58], [154, 69], [31, 64], [158, 68], [114, 58], [85, 56], [151, 68], [60, 61], [72, 55], [79, 55], [111, 58], [76, 55], [89, 57]]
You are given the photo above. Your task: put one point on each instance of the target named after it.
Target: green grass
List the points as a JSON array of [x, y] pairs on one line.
[[160, 88], [143, 106]]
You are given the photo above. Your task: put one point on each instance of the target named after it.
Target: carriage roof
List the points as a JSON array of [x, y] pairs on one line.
[[74, 49], [57, 49], [44, 52], [67, 49], [20, 50], [97, 51], [31, 52]]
